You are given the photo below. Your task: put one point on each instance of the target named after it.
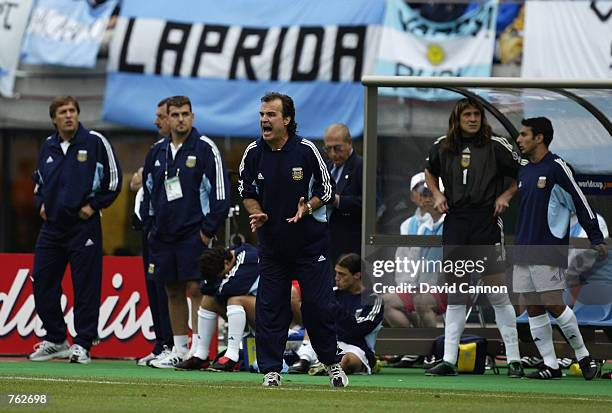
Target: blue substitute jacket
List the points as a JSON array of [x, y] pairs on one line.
[[240, 279], [548, 194], [278, 179], [358, 323], [88, 173], [204, 183]]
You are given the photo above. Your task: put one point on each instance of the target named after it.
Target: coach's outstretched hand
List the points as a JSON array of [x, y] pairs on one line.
[[301, 211], [257, 220]]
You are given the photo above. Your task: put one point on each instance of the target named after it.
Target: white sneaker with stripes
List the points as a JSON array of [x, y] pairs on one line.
[[46, 350], [169, 360]]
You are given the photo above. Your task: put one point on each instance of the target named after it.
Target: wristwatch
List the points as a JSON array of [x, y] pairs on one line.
[[309, 206]]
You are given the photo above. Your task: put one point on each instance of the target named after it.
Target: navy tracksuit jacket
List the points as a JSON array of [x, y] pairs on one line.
[[277, 180], [548, 194], [204, 182], [88, 173]]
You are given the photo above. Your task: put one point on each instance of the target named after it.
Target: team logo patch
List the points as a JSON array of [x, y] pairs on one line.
[[465, 158], [297, 174], [82, 155], [542, 182], [191, 161], [151, 269]]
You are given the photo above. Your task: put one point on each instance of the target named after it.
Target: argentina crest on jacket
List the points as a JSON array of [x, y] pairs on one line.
[[191, 161], [297, 173], [465, 158], [82, 155]]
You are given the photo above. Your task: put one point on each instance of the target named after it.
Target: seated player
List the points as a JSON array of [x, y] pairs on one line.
[[229, 285], [357, 323]]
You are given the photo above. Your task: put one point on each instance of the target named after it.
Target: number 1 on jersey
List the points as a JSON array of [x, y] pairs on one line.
[[465, 177]]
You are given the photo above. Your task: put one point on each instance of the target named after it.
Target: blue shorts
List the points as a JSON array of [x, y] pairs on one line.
[[234, 287], [176, 261]]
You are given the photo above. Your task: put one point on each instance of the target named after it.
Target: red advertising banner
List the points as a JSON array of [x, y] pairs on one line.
[[125, 325]]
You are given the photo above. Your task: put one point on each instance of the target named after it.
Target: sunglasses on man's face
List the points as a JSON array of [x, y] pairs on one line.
[[335, 148]]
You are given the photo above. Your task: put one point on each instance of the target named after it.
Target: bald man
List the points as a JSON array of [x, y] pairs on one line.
[[346, 168]]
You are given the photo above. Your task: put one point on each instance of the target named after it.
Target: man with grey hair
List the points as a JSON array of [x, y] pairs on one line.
[[346, 168]]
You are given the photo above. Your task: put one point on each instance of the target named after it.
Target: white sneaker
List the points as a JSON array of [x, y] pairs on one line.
[[337, 377], [272, 379], [165, 352], [79, 355], [168, 361], [46, 350], [144, 361]]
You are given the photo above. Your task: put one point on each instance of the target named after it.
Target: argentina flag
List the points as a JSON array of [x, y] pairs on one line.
[[412, 45], [226, 55]]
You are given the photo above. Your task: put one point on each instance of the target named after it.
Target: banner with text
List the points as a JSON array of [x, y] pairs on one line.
[[125, 325], [568, 39], [226, 55], [66, 32], [414, 46], [13, 21]]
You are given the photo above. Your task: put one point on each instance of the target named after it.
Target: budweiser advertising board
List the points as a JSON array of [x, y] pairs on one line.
[[125, 326]]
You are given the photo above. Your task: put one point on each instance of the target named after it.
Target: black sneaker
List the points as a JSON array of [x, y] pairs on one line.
[[443, 368], [545, 373], [429, 361], [299, 367], [225, 364], [590, 368], [192, 363], [515, 370], [408, 361]]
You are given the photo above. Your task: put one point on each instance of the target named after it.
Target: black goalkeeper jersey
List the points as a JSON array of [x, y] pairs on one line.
[[474, 177]]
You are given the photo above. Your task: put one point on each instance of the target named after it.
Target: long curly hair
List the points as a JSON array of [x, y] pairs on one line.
[[452, 143]]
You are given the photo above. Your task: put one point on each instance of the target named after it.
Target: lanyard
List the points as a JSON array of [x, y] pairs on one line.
[[178, 170]]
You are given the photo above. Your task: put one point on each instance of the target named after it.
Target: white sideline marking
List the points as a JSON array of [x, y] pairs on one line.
[[299, 389]]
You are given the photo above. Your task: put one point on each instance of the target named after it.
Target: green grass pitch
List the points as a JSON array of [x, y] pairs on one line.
[[121, 386]]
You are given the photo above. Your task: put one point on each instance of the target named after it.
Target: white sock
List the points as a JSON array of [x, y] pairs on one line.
[[455, 324], [195, 338], [181, 344], [306, 352], [541, 331], [207, 324], [569, 325], [505, 317], [236, 321]]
